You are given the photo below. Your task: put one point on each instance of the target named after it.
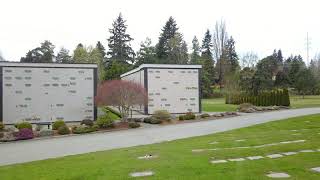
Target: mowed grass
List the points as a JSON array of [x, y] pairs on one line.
[[218, 104], [177, 161], [307, 101]]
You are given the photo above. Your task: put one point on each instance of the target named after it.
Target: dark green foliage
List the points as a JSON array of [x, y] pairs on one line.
[[134, 125], [105, 122], [305, 81], [266, 98], [101, 48], [187, 116], [23, 125], [147, 119], [115, 69], [146, 54], [42, 54], [63, 56], [57, 124], [62, 130], [161, 115], [195, 55], [119, 42], [87, 122], [205, 115], [152, 120], [83, 129], [169, 31]]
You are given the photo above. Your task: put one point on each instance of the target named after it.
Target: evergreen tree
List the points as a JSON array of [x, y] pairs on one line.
[[231, 56], [101, 49], [195, 55], [282, 80], [206, 57], [305, 81], [42, 54], [146, 54], [177, 50], [169, 31], [63, 56], [206, 49], [119, 42]]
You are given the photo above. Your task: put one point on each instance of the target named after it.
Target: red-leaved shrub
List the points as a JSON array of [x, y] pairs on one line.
[[122, 94], [24, 133]]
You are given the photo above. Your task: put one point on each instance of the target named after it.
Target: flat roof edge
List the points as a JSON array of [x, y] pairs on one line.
[[71, 65], [169, 66]]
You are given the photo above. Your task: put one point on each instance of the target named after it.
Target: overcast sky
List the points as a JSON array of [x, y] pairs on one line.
[[256, 25]]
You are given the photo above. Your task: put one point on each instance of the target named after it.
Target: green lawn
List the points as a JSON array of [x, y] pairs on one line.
[[308, 101], [177, 161], [218, 104]]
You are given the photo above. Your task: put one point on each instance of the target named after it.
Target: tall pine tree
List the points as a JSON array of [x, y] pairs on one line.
[[119, 42], [169, 31], [195, 55]]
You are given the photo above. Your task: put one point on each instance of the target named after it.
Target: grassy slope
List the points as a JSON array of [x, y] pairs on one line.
[[176, 161]]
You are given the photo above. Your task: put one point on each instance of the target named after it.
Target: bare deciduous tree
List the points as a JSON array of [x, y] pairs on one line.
[[122, 94], [249, 59], [220, 38]]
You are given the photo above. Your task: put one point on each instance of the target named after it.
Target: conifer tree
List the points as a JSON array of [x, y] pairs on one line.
[[119, 42]]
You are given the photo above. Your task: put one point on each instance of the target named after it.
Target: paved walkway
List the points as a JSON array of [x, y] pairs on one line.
[[25, 151]]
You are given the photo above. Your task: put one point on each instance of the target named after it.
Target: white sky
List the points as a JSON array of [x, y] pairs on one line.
[[256, 25]]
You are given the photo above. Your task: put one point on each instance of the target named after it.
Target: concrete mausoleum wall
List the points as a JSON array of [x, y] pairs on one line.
[[45, 92], [175, 88]]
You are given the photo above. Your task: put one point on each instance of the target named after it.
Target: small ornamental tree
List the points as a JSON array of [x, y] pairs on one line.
[[122, 94]]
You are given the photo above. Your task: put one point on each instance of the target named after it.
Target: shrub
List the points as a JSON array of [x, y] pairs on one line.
[[83, 129], [147, 119], [23, 125], [87, 122], [46, 132], [57, 124], [24, 133], [1, 126], [155, 121], [134, 125], [62, 130], [187, 116], [162, 115], [105, 122], [134, 119], [117, 113], [8, 136], [205, 115]]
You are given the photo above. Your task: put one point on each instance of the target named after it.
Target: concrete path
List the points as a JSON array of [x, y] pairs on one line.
[[25, 151]]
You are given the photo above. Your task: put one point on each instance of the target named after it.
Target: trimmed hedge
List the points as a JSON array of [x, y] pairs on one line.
[[272, 98]]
